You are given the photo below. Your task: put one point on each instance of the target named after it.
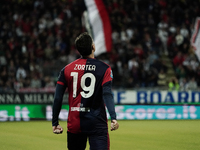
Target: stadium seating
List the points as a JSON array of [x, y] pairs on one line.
[[151, 39]]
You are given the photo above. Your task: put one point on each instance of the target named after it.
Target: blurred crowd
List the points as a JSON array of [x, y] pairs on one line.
[[37, 40]]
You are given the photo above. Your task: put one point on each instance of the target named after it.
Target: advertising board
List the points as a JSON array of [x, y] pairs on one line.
[[120, 97], [24, 112], [156, 97]]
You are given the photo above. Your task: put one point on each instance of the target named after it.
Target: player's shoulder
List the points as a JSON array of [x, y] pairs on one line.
[[101, 63], [72, 63]]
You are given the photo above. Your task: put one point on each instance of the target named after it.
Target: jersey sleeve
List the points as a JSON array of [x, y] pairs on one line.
[[109, 100], [107, 93], [58, 97], [108, 76], [61, 78]]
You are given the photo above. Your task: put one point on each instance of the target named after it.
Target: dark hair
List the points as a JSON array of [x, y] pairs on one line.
[[84, 44]]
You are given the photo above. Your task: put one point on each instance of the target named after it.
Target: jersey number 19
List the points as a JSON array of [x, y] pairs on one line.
[[87, 90]]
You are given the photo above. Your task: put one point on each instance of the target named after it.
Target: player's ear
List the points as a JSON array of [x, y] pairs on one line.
[[93, 47]]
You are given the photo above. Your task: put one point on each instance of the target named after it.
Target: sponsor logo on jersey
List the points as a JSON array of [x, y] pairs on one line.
[[111, 74], [81, 109]]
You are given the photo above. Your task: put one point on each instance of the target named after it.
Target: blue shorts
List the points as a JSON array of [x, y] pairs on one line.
[[96, 141]]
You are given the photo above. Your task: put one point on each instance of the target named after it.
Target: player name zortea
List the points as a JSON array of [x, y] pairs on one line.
[[84, 67]]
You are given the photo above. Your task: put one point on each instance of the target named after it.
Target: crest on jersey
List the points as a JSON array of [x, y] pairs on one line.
[[111, 74]]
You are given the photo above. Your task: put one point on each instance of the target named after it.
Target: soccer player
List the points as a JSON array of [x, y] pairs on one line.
[[88, 81]]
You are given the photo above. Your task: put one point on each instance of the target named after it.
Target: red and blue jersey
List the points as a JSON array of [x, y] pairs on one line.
[[85, 79]]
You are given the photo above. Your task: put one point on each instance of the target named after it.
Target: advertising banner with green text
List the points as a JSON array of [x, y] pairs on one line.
[[25, 112]]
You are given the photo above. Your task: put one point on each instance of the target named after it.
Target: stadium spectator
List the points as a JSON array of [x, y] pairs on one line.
[[11, 69], [178, 59], [162, 78], [183, 83], [143, 78], [152, 77], [191, 84], [35, 82], [174, 84], [152, 57], [48, 52], [191, 63], [184, 31], [21, 73], [163, 35], [180, 72], [133, 67], [49, 82]]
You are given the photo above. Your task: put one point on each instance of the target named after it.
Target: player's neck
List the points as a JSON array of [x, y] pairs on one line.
[[85, 57], [89, 56]]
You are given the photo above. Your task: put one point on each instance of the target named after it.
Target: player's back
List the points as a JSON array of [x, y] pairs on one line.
[[85, 78]]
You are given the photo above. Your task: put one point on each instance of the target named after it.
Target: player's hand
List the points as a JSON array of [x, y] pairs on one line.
[[114, 125], [57, 129]]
